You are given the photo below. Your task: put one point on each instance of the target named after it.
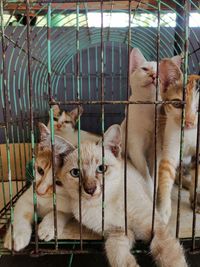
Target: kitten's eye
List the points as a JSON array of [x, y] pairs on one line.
[[75, 172], [101, 168], [145, 69], [67, 122], [40, 171], [177, 105], [55, 119], [59, 183]]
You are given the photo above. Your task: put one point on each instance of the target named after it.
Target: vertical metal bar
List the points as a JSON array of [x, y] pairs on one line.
[[31, 122], [196, 181], [79, 123], [51, 123], [186, 43], [126, 126], [102, 117], [155, 119], [5, 114]]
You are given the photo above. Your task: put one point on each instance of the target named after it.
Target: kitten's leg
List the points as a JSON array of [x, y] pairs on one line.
[[46, 227], [118, 247], [166, 250], [137, 156], [167, 172], [23, 215]]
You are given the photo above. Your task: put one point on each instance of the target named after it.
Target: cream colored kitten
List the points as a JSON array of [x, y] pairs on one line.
[[141, 116], [65, 125], [172, 89], [166, 251], [24, 209]]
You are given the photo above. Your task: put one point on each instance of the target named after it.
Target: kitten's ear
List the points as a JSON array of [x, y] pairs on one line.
[[62, 149], [136, 60], [169, 73], [177, 60], [56, 108], [44, 131], [44, 136], [113, 139], [74, 114]]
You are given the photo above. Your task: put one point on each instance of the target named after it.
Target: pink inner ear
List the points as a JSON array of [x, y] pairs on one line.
[[136, 60], [168, 73]]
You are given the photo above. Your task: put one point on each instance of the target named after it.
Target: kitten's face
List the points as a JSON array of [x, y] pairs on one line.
[[43, 164], [142, 73], [145, 74], [91, 172], [91, 169], [172, 89], [64, 120], [43, 171]]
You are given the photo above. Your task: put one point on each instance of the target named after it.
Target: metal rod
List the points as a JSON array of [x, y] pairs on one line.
[[31, 121], [102, 119], [5, 115], [155, 120], [186, 43], [79, 122], [51, 124]]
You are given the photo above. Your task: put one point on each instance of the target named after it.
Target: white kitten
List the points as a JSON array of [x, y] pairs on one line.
[[24, 209], [166, 250], [65, 125], [141, 116]]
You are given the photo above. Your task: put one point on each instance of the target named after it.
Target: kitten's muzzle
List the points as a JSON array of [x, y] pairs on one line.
[[90, 190]]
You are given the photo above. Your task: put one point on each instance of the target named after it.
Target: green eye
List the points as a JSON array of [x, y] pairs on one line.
[[40, 171], [75, 172], [101, 168]]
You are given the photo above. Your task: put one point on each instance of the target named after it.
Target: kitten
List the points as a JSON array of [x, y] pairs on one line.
[[65, 125], [24, 209], [192, 184], [165, 249], [140, 127], [171, 88]]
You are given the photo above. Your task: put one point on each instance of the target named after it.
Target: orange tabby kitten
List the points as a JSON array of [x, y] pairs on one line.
[[171, 86]]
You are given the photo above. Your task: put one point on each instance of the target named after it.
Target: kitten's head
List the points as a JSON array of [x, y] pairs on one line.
[[91, 168], [43, 162], [171, 87], [65, 120], [142, 72]]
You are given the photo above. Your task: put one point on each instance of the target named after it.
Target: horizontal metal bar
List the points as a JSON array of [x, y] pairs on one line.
[[111, 102]]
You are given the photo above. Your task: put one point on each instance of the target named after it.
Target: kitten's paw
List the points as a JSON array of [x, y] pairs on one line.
[[131, 262], [45, 231], [21, 239]]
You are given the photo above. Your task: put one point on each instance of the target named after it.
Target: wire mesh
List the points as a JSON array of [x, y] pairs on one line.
[[77, 53]]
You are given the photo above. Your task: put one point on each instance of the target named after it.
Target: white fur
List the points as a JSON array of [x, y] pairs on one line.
[[141, 116]]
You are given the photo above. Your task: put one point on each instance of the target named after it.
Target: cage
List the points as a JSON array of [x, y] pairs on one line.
[[77, 52]]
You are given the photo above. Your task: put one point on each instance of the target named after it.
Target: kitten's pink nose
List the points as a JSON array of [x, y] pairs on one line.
[[59, 125], [90, 190]]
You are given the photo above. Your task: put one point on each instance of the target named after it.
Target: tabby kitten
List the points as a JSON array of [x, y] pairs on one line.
[[171, 87], [24, 209], [166, 251], [65, 125]]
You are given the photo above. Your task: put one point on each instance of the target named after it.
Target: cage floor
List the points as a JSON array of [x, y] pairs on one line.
[[72, 230]]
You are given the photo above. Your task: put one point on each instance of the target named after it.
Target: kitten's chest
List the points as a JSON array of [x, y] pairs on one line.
[[190, 138], [93, 217]]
